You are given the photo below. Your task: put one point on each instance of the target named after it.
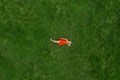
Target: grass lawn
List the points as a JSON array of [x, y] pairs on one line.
[[26, 27]]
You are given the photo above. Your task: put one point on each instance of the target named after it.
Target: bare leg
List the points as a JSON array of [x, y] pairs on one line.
[[55, 41]]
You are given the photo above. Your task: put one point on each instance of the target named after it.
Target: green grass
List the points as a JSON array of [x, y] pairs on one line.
[[26, 52]]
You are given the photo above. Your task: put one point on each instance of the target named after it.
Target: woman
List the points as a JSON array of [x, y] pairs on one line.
[[62, 41]]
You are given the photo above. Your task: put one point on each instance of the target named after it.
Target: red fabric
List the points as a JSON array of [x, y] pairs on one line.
[[62, 41]]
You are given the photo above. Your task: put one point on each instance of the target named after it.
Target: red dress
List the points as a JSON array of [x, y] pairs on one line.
[[62, 41]]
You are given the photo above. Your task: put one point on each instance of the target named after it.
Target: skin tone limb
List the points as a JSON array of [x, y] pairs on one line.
[[55, 41]]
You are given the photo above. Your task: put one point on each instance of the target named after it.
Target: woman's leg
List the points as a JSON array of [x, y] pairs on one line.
[[54, 41]]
